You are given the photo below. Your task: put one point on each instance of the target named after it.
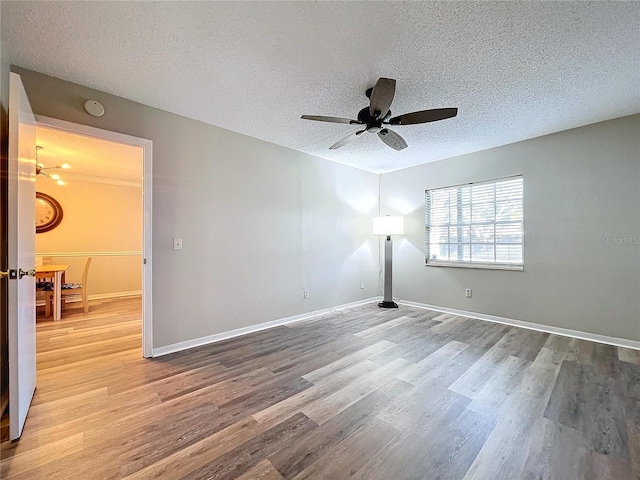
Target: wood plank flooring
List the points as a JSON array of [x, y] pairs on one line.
[[364, 393]]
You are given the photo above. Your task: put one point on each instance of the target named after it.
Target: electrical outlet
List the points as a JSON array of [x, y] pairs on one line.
[[177, 244], [467, 292], [306, 294], [361, 283]]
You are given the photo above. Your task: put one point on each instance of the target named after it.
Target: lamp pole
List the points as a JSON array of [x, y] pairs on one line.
[[388, 277], [388, 226]]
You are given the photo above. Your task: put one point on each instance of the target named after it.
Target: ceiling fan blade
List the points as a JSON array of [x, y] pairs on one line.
[[347, 139], [381, 97], [320, 118], [424, 116], [392, 139]]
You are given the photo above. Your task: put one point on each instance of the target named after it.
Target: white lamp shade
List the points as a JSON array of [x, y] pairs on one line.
[[388, 225]]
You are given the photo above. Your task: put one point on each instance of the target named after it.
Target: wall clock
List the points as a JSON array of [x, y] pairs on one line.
[[48, 213]]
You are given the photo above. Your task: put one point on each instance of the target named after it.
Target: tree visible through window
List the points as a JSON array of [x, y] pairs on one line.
[[477, 224]]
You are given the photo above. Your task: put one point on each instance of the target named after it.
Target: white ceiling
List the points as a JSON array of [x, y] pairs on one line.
[[515, 70], [89, 158]]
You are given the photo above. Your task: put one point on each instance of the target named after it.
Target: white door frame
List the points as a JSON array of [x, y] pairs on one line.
[[147, 183]]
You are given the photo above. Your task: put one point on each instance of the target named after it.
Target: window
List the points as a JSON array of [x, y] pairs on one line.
[[476, 225]]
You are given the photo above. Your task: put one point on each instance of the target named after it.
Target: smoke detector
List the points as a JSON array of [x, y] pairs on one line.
[[94, 107]]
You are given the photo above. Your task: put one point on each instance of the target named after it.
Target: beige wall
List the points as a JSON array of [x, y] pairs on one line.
[[101, 218], [581, 231], [259, 222]]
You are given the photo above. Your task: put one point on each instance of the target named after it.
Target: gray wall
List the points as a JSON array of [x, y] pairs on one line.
[[260, 223], [581, 187]]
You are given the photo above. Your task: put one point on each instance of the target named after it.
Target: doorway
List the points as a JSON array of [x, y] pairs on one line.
[[108, 188]]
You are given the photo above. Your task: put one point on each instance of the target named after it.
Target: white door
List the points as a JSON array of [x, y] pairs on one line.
[[21, 256]]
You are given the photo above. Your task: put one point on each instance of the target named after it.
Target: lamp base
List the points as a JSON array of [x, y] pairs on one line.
[[388, 305]]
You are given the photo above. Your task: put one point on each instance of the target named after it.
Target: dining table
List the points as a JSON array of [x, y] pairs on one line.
[[56, 274]]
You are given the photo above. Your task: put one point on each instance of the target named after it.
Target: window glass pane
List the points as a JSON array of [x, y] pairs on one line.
[[439, 216], [482, 194], [465, 214], [482, 253], [460, 214], [509, 253], [460, 252], [460, 234], [510, 210], [464, 195], [438, 251], [482, 233], [509, 190], [466, 253], [483, 213], [509, 233], [440, 195], [438, 235], [439, 199]]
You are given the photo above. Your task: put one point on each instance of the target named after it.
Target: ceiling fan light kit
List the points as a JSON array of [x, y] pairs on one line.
[[53, 176], [377, 115]]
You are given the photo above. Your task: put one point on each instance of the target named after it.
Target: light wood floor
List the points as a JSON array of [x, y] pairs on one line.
[[367, 394]]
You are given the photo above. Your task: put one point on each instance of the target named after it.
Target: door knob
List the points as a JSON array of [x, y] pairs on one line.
[[30, 273], [12, 274]]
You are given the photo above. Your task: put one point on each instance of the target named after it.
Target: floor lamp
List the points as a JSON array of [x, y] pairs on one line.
[[388, 226]]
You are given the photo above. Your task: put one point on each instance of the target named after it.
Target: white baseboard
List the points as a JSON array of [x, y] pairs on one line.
[[197, 342], [594, 337], [218, 337]]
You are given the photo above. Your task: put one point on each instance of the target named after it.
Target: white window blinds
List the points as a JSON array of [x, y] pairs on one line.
[[477, 224]]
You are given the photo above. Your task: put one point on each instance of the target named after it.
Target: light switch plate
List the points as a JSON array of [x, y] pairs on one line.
[[177, 244]]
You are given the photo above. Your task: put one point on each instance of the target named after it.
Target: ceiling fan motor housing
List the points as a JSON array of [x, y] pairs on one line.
[[372, 123]]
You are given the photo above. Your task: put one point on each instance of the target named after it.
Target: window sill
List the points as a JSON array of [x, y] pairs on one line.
[[486, 266]]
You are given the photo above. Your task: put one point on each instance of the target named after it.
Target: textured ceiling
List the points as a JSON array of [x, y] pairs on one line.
[[89, 158], [515, 70]]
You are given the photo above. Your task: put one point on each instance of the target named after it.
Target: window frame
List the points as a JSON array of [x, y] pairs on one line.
[[468, 264]]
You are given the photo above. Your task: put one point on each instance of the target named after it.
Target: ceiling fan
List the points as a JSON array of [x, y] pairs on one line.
[[53, 176], [377, 115]]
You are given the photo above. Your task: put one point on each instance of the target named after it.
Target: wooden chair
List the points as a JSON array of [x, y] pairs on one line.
[[42, 294], [47, 296], [73, 289]]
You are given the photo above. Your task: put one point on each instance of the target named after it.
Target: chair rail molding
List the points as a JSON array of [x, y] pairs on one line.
[[115, 253]]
